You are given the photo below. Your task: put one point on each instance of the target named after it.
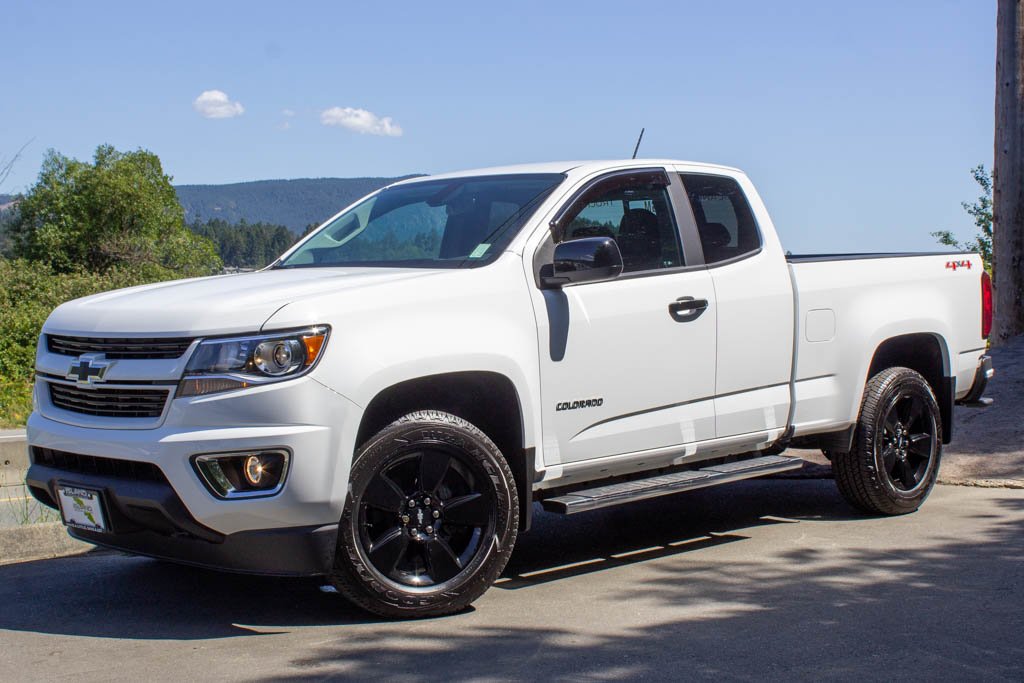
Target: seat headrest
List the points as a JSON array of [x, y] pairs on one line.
[[638, 223]]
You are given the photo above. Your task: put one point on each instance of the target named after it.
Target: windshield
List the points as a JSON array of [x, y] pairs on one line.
[[428, 224]]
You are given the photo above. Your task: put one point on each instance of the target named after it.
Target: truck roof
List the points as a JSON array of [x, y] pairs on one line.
[[582, 167]]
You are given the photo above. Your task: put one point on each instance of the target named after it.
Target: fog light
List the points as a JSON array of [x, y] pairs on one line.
[[243, 475], [253, 470]]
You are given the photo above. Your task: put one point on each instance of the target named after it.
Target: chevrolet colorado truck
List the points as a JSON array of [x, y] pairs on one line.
[[385, 404]]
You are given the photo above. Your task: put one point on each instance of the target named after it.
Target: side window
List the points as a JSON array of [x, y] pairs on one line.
[[724, 220], [638, 216]]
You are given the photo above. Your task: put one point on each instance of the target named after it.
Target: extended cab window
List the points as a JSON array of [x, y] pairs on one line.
[[638, 216], [724, 220]]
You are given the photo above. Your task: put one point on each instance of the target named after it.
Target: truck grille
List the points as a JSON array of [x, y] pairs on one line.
[[109, 402], [158, 347], [91, 464]]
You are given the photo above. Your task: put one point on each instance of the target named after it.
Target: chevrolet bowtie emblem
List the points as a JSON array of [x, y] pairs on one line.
[[89, 368]]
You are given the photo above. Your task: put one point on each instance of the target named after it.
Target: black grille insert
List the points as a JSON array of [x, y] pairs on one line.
[[91, 464], [107, 401], [129, 348]]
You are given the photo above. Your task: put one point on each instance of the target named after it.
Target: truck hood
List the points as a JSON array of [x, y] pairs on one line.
[[223, 304]]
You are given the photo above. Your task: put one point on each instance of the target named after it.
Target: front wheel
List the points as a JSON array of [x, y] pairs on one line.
[[897, 445], [430, 521]]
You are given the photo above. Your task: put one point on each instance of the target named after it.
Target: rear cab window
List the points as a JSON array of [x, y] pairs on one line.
[[725, 222]]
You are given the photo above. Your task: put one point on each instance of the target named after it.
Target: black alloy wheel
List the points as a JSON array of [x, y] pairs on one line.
[[897, 445], [430, 520], [424, 516], [908, 442]]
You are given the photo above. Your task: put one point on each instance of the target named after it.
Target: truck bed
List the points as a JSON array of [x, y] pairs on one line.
[[846, 303], [810, 258]]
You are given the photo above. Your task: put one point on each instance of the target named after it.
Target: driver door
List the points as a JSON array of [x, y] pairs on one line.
[[628, 364]]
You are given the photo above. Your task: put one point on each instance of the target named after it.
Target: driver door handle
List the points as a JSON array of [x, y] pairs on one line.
[[686, 309]]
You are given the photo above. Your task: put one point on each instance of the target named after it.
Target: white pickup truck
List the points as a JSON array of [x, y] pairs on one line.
[[385, 403]]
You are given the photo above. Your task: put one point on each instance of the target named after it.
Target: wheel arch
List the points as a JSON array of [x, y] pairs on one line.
[[928, 354], [489, 400]]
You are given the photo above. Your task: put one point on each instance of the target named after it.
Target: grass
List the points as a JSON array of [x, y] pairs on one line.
[[23, 508], [16, 399], [27, 510]]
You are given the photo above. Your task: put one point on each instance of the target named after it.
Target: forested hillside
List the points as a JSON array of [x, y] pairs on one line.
[[291, 203], [246, 245]]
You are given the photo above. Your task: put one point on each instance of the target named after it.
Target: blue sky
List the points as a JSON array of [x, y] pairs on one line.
[[859, 122]]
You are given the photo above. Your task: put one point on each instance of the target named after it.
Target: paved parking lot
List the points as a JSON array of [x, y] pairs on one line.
[[757, 580]]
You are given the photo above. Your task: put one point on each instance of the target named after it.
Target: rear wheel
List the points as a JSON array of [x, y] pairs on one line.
[[897, 445], [430, 520]]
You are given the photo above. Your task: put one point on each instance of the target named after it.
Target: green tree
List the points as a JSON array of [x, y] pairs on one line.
[[981, 211], [29, 291], [246, 245], [118, 212]]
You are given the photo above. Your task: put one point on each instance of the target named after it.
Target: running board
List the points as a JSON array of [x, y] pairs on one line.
[[640, 489]]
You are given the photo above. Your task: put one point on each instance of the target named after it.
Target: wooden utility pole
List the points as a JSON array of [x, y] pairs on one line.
[[1008, 190]]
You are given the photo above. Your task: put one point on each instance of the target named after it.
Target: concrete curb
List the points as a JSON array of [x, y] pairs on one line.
[[13, 457], [984, 483], [38, 542]]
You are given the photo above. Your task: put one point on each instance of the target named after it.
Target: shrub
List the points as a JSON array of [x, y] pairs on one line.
[[29, 291]]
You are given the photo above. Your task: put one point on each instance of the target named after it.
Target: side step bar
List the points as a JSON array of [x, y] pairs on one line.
[[640, 489]]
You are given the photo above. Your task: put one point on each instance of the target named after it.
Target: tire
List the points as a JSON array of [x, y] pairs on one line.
[[897, 445], [430, 520]]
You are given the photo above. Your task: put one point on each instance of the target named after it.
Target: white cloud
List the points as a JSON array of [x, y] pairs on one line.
[[361, 121], [215, 104], [288, 112], [284, 125]]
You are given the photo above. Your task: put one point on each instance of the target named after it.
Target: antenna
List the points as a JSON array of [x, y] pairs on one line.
[[637, 148]]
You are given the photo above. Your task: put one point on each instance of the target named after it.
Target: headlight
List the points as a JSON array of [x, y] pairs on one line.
[[239, 362]]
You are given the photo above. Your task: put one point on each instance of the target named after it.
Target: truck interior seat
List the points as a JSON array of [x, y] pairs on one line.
[[640, 240], [462, 233]]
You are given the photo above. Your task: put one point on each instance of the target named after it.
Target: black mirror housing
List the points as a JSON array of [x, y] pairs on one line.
[[588, 259]]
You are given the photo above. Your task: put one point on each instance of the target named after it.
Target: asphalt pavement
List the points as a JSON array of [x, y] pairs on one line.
[[761, 580]]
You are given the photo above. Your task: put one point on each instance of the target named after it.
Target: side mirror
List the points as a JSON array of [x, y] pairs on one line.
[[589, 259]]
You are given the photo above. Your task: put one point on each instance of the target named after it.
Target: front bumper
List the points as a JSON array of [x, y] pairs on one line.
[[147, 517], [169, 512]]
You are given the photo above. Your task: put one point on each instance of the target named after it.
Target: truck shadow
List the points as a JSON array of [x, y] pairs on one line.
[[661, 527], [110, 595], [940, 610], [843, 613]]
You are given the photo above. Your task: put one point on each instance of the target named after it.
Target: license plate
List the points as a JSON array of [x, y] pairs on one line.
[[81, 508]]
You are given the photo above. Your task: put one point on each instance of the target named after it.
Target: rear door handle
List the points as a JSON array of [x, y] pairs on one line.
[[686, 309]]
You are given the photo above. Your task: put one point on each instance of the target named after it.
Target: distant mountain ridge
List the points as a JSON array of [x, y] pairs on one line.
[[291, 203]]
